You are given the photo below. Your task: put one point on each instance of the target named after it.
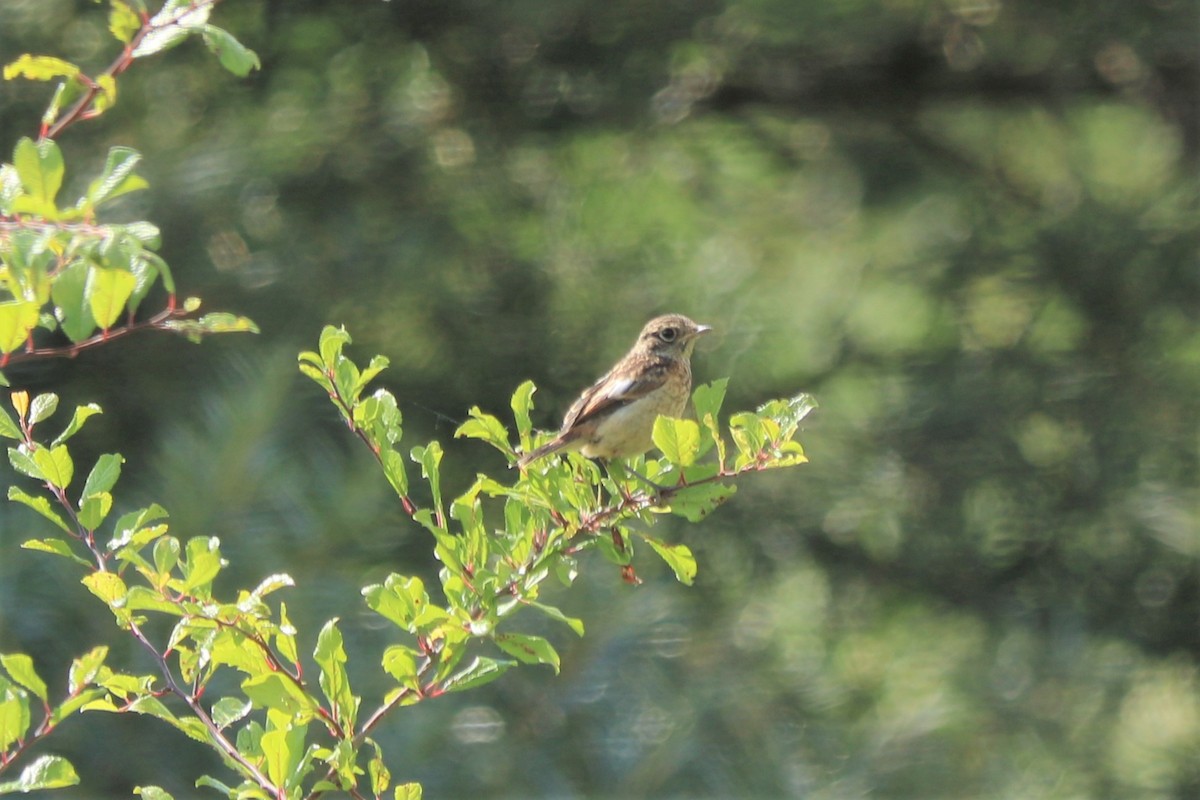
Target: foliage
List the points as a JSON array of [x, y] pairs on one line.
[[280, 735], [969, 228], [61, 270]]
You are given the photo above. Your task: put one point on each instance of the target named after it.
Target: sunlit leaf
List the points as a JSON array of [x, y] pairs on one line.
[[678, 439], [39, 68], [233, 55], [678, 557], [46, 772], [20, 668], [528, 649]]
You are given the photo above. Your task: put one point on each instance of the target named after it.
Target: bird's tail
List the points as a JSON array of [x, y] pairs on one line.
[[557, 443]]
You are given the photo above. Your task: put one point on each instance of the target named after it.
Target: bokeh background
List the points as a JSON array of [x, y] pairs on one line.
[[969, 227]]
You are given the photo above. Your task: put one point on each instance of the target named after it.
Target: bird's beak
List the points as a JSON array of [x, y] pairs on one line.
[[703, 329]]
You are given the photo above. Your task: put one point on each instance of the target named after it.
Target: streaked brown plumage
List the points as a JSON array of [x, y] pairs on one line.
[[615, 416]]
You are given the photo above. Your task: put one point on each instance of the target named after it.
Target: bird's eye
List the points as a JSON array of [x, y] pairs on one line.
[[668, 334]]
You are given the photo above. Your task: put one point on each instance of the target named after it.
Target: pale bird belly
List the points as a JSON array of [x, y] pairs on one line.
[[627, 431]]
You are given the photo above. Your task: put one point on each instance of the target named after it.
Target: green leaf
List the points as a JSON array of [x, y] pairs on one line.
[[394, 471], [554, 613], [479, 672], [408, 791], [9, 428], [233, 55], [17, 319], [401, 663], [709, 398], [273, 690], [94, 509], [58, 547], [678, 439], [104, 474], [20, 668], [522, 404], [81, 415], [108, 586], [55, 465], [42, 407], [330, 656], [697, 502], [107, 291], [40, 505], [117, 178], [678, 557], [123, 23], [486, 427], [331, 343], [41, 169], [85, 668], [152, 792], [47, 772], [401, 600], [229, 710], [381, 778], [39, 68], [170, 26], [203, 563], [528, 649], [14, 715], [70, 308], [218, 322], [284, 749], [430, 457], [23, 463]]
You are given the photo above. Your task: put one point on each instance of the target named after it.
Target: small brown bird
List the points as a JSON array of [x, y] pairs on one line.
[[615, 417]]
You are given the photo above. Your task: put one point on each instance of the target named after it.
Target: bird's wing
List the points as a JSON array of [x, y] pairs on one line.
[[610, 393]]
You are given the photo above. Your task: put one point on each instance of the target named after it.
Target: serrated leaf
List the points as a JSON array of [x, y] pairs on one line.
[[17, 319], [708, 398], [479, 672], [233, 55], [41, 170], [697, 502], [554, 613], [522, 404], [42, 407], [330, 344], [528, 649], [123, 21], [39, 68], [14, 715], [108, 586], [330, 656], [85, 668], [408, 791], [104, 474], [678, 557], [486, 427], [47, 772], [9, 428], [106, 292], [39, 504], [272, 690], [70, 308], [169, 27], [229, 710], [55, 465], [117, 177], [678, 439], [82, 414], [56, 546], [20, 668], [94, 509]]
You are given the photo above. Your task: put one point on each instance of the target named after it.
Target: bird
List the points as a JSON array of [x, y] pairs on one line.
[[614, 418]]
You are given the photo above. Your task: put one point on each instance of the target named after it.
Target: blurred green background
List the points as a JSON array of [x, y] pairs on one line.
[[968, 227]]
